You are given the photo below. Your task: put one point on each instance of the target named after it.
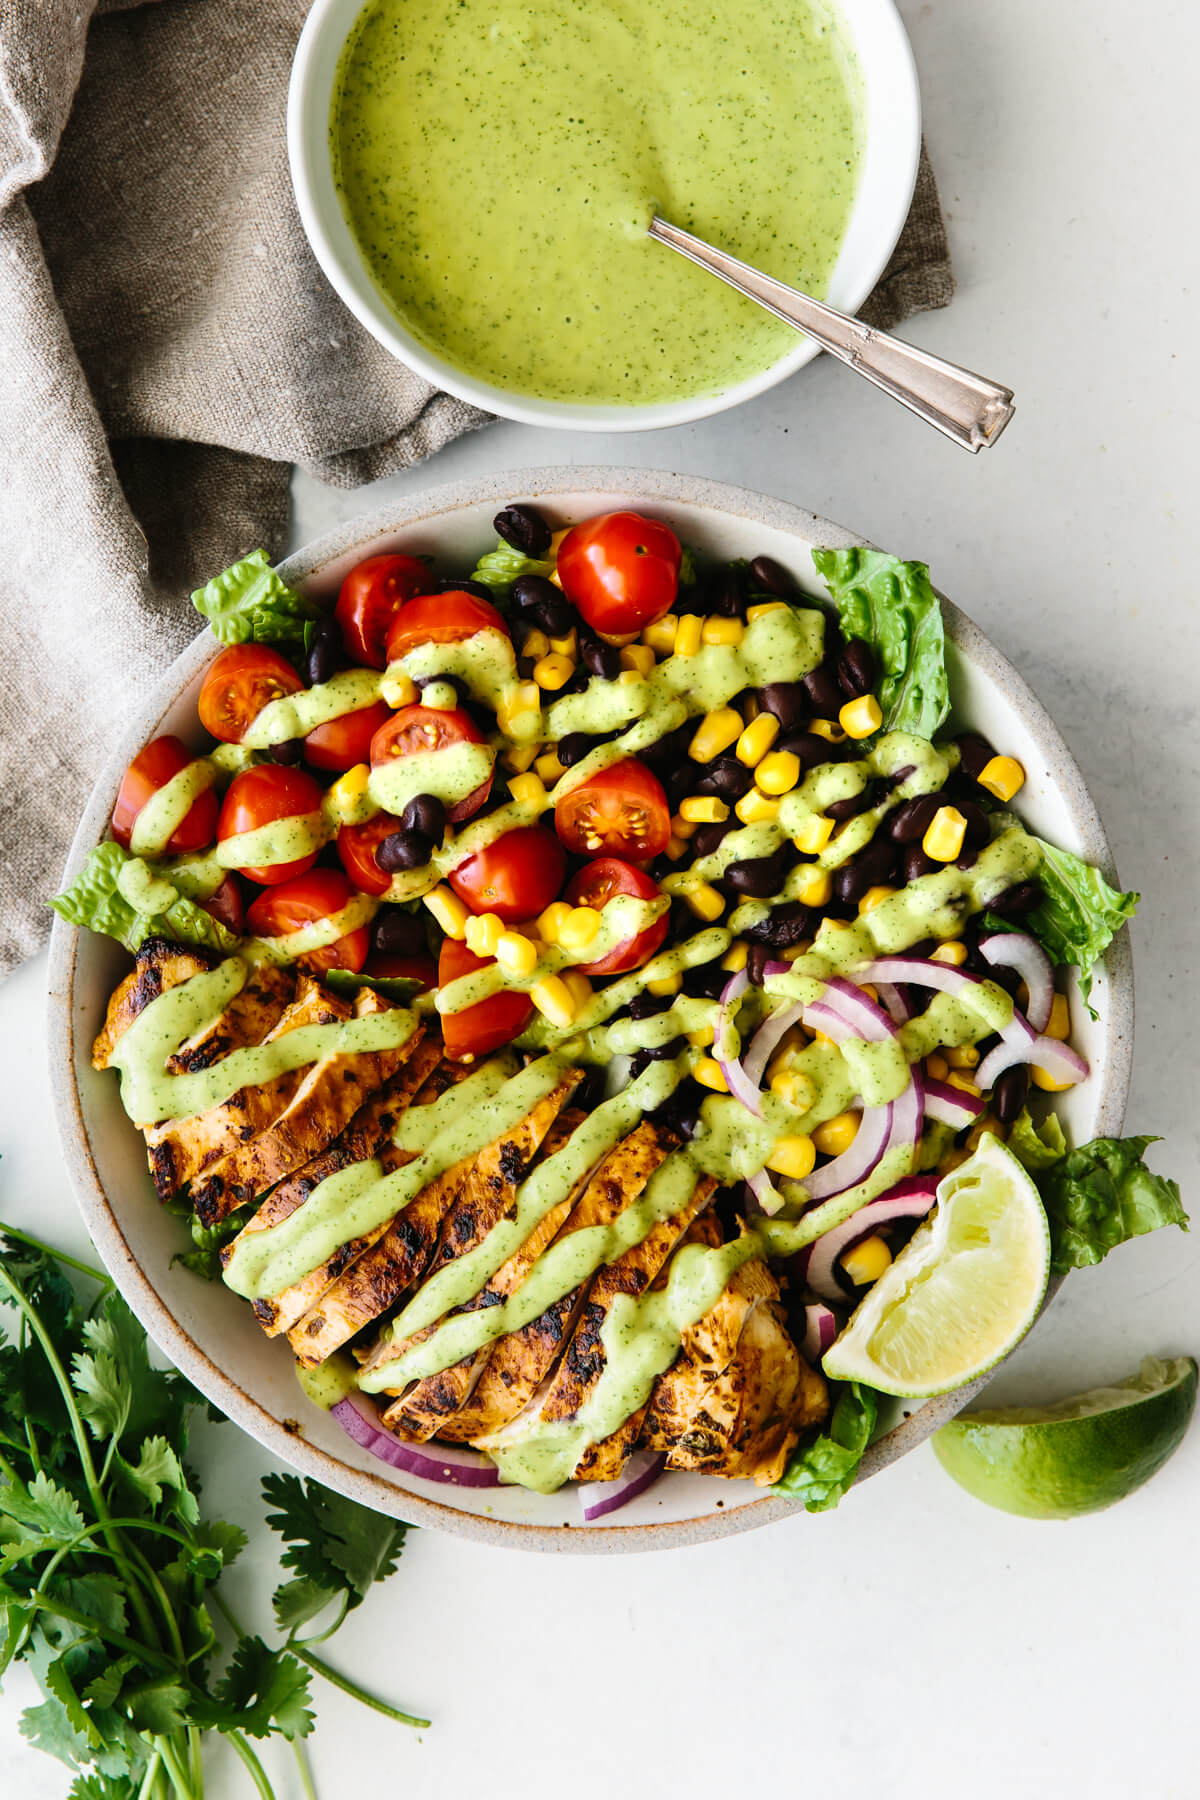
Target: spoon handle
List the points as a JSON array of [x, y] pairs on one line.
[[966, 407]]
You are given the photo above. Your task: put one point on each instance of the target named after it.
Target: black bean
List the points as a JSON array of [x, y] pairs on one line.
[[397, 932], [529, 593], [1008, 1095], [600, 659], [856, 668], [757, 958], [524, 528], [644, 1005], [727, 594], [324, 652], [978, 830], [707, 838], [451, 584], [758, 877], [782, 927], [851, 806], [789, 702], [726, 777], [809, 749], [556, 615], [706, 982], [976, 753], [290, 751], [770, 577], [910, 822], [678, 784], [670, 752], [916, 863], [666, 1052], [426, 814], [461, 691], [1015, 902], [874, 866], [681, 1111], [638, 1062], [575, 746], [824, 694], [590, 1092], [403, 850]]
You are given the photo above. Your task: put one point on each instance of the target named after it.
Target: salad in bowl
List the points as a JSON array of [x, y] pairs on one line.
[[599, 1012]]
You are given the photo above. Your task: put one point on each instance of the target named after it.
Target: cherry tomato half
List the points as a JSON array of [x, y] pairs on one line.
[[622, 811], [227, 905], [440, 619], [344, 741], [369, 599], [620, 570], [384, 966], [600, 882], [489, 1023], [356, 846], [515, 877], [260, 796], [302, 901], [150, 770], [241, 681], [423, 728]]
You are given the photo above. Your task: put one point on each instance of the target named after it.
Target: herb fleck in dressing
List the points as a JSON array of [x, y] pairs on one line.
[[498, 163]]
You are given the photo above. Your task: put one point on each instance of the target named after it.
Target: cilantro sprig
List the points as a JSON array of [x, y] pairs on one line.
[[108, 1568]]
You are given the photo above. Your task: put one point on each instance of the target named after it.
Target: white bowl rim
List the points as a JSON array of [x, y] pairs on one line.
[[309, 91], [383, 1495]]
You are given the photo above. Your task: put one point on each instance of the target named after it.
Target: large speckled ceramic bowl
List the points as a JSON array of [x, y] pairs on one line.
[[208, 1333]]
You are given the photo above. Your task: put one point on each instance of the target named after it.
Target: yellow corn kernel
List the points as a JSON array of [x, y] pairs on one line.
[[537, 644], [702, 1037], [793, 1156], [1059, 1023], [639, 657], [953, 954], [814, 834], [944, 838], [549, 768], [984, 1123], [448, 910], [957, 1079], [550, 922], [936, 1067], [867, 1261], [962, 1056], [757, 739], [660, 636], [859, 718], [706, 901], [755, 808], [1041, 1079], [351, 786], [811, 884], [680, 828], [666, 984], [689, 634], [722, 631], [869, 989], [837, 1134], [829, 729], [568, 645], [778, 772], [703, 809], [554, 1000], [521, 699], [795, 1089], [579, 928], [630, 677], [763, 608], [708, 1073], [676, 847], [1003, 776], [874, 897], [734, 958], [553, 671], [483, 932], [528, 790], [519, 757], [397, 688], [578, 986]]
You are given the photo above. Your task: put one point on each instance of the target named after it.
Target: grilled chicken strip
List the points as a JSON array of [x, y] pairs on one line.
[[160, 966], [330, 1093], [520, 1362], [248, 1018], [367, 1136], [181, 1148]]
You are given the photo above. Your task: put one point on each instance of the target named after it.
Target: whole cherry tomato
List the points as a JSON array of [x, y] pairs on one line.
[[344, 741], [621, 570], [440, 619], [238, 684], [515, 877], [261, 796], [416, 729], [600, 882], [622, 811], [489, 1023], [303, 901], [227, 905], [356, 846], [150, 770], [368, 600]]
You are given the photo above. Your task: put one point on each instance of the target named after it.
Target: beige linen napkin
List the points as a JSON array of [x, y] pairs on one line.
[[168, 348]]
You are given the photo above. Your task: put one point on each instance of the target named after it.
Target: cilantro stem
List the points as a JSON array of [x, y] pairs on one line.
[[352, 1688], [305, 1772], [175, 1769], [329, 1630], [150, 1778], [257, 1773], [152, 1657], [24, 1237]]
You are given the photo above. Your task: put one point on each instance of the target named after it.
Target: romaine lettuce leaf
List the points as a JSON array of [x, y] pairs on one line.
[[891, 606], [504, 565], [1037, 1147], [400, 988], [127, 899], [820, 1473], [1101, 1195], [249, 603], [1080, 914]]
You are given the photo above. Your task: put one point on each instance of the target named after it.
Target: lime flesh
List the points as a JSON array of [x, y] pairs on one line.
[[962, 1292], [1079, 1456]]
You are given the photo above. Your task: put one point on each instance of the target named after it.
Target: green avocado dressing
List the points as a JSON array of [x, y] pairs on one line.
[[498, 163], [163, 813]]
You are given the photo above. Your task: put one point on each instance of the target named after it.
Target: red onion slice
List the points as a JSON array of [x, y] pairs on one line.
[[949, 1105], [820, 1329], [896, 1002], [915, 970], [871, 1141], [909, 1199], [1020, 1043], [741, 1084], [769, 1034], [1017, 950], [599, 1498], [767, 1197], [452, 1464]]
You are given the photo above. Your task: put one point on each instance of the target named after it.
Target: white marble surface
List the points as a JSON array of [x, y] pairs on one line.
[[913, 1642]]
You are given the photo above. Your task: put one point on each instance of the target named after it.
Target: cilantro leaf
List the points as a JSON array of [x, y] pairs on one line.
[[103, 1691], [299, 1600], [820, 1473], [249, 602], [204, 1259], [125, 898], [157, 1707], [891, 606], [50, 1509], [1103, 1194], [262, 1690], [96, 1595], [332, 1541], [103, 1787], [158, 1467], [58, 1680]]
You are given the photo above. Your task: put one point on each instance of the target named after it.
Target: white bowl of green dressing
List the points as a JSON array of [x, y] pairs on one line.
[[476, 182], [207, 1331]]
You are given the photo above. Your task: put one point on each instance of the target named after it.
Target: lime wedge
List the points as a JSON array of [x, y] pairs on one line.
[[1085, 1453], [962, 1292]]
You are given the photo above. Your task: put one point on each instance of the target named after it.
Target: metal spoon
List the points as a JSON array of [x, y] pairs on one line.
[[968, 408]]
